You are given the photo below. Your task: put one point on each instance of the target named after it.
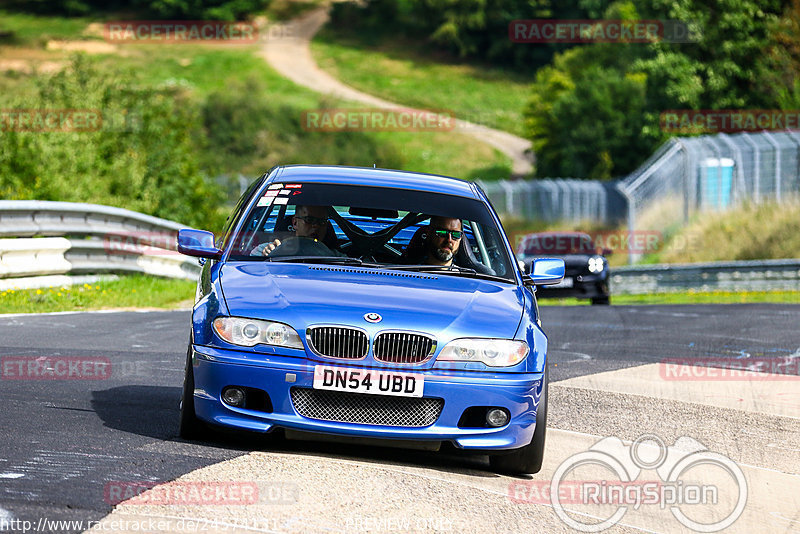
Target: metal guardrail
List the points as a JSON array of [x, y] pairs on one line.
[[77, 238], [761, 275]]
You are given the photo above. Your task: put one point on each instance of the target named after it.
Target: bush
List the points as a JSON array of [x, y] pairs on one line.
[[143, 157], [202, 9], [160, 9]]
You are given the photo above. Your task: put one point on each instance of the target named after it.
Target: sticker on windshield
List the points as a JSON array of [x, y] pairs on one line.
[[265, 201], [281, 200], [293, 186], [276, 186]]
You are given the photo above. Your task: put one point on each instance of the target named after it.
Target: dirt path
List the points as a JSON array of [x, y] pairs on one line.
[[291, 57]]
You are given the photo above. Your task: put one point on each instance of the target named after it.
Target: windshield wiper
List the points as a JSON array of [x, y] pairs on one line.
[[332, 260], [449, 269], [318, 259], [426, 267]]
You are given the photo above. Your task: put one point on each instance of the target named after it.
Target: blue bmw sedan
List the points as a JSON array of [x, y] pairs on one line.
[[369, 303]]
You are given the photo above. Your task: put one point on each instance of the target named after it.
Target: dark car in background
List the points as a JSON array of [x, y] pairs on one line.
[[587, 270]]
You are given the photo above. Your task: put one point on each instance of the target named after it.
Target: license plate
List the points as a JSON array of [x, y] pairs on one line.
[[368, 381], [566, 282]]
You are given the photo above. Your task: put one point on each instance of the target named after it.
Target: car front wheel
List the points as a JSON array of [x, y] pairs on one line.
[[190, 426], [527, 459]]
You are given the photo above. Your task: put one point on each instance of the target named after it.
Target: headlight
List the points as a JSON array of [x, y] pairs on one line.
[[595, 264], [492, 352], [249, 332]]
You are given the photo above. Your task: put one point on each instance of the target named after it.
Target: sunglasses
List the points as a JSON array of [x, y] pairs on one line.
[[455, 234], [313, 221]]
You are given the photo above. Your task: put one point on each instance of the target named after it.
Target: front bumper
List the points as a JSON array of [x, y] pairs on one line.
[[519, 393]]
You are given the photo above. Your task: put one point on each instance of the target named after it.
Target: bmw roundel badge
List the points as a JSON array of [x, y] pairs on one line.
[[372, 317]]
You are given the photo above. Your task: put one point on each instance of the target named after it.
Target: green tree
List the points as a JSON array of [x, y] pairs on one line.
[[619, 90], [162, 9], [779, 67]]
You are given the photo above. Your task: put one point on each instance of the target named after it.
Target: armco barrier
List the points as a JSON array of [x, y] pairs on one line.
[[77, 238], [761, 275]]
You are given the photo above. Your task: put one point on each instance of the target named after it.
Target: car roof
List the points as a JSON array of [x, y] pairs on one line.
[[334, 174]]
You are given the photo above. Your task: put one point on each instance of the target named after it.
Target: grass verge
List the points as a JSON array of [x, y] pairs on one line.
[[129, 291], [749, 232], [36, 30], [410, 76], [689, 297], [283, 10]]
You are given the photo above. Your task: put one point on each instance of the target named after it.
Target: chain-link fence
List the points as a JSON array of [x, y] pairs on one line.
[[557, 199], [685, 175], [713, 172]]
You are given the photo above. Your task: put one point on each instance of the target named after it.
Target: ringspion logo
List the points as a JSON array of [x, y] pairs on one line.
[[593, 490]]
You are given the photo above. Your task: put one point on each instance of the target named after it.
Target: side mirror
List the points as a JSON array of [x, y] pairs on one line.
[[545, 272], [197, 243]]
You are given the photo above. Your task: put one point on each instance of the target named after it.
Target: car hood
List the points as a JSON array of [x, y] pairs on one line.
[[447, 306]]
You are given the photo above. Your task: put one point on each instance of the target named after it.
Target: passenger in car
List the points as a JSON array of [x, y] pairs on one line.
[[308, 221]]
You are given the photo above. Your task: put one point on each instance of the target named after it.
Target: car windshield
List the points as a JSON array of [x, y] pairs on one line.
[[558, 244], [376, 226]]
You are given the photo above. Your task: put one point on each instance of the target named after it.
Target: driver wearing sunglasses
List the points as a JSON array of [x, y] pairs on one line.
[[442, 240]]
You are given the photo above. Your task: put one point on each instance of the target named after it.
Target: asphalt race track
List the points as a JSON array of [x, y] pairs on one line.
[[66, 442]]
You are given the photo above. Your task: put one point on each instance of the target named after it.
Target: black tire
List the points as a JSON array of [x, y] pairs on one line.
[[527, 459], [190, 426], [605, 301]]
